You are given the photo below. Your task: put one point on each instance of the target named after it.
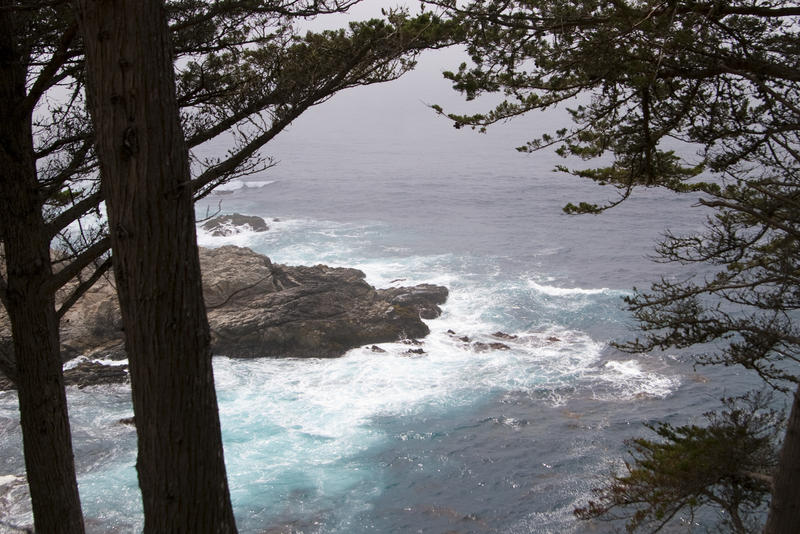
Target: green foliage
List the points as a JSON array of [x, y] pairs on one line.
[[723, 467], [723, 76]]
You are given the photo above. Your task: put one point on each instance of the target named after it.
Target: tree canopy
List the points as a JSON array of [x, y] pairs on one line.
[[242, 70], [721, 465], [697, 97]]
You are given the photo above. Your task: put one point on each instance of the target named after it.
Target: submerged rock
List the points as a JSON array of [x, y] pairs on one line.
[[483, 347], [503, 335], [235, 223]]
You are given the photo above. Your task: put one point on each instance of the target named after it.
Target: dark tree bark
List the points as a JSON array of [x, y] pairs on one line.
[[145, 177], [784, 510], [29, 299]]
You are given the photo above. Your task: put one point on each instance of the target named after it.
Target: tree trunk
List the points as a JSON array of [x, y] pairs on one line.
[[30, 305], [145, 177], [784, 510]]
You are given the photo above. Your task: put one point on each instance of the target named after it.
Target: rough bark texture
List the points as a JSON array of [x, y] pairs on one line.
[[145, 177], [30, 304], [784, 510]]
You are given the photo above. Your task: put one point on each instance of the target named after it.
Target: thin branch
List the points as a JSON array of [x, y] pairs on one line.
[[47, 77], [66, 217], [83, 287], [83, 260]]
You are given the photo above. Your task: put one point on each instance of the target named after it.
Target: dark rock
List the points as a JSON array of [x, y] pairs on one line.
[[89, 373], [415, 351], [465, 339], [553, 339], [375, 348], [86, 373], [225, 225], [412, 341], [130, 421], [425, 298], [6, 384], [503, 335]]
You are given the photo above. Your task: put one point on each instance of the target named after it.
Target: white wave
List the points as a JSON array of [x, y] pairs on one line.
[[235, 185], [244, 237], [407, 271], [102, 361], [628, 380], [554, 291]]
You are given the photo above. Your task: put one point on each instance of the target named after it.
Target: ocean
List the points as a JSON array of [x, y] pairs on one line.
[[454, 440]]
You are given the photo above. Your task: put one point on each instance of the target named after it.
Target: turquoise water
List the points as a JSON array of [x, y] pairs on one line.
[[455, 440]]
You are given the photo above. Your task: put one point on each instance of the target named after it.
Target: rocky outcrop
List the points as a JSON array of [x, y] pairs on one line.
[[235, 223], [258, 308]]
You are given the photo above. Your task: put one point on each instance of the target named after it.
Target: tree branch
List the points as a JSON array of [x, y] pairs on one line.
[[46, 77], [79, 263], [83, 287], [74, 212]]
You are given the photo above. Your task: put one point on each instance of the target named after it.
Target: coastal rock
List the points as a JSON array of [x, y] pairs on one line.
[[6, 384], [503, 335], [85, 373], [225, 225], [480, 346], [425, 298], [258, 308], [90, 373]]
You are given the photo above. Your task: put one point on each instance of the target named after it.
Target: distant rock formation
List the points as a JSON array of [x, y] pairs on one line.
[[257, 308], [225, 225]]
